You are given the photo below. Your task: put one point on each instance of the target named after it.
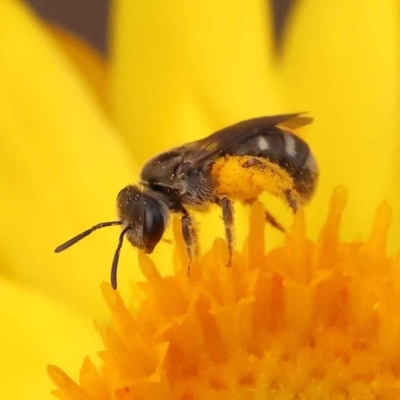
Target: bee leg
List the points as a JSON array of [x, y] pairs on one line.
[[254, 162], [268, 217], [189, 236], [273, 222], [291, 201], [227, 216]]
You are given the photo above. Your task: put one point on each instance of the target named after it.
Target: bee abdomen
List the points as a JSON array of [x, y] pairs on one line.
[[276, 145], [283, 151]]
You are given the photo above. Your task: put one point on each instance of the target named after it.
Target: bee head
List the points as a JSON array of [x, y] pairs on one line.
[[145, 216]]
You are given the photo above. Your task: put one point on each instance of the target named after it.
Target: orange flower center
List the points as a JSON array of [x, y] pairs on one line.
[[310, 320]]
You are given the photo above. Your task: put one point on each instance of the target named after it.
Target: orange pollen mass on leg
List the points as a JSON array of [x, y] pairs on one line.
[[246, 177]]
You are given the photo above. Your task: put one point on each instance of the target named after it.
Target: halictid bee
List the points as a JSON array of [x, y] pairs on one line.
[[266, 155]]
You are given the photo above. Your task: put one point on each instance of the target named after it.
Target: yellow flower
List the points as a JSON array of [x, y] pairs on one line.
[[75, 130], [309, 320]]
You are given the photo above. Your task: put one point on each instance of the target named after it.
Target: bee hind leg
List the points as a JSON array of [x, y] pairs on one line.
[[273, 222], [254, 162], [227, 216], [190, 237], [268, 217], [291, 201]]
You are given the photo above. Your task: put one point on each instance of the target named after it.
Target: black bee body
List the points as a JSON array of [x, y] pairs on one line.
[[185, 177], [184, 180]]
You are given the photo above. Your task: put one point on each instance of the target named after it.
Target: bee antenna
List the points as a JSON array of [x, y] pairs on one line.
[[116, 258], [82, 235]]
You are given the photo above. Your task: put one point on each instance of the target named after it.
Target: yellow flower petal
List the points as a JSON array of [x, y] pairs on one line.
[[88, 61], [341, 63], [62, 165], [35, 331], [181, 70]]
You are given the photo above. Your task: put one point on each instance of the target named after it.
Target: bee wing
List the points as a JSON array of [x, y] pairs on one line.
[[297, 122], [208, 149]]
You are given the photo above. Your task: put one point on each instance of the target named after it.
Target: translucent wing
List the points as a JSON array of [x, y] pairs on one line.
[[199, 153], [297, 122]]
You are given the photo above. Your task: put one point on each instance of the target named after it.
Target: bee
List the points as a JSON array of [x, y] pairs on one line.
[[264, 153]]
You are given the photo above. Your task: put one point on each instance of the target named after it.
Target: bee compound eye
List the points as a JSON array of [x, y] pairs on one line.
[[153, 227]]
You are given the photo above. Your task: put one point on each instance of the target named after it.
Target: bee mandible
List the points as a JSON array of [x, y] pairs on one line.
[[191, 176]]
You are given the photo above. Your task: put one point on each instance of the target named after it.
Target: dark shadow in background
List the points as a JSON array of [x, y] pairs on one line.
[[280, 11], [89, 18]]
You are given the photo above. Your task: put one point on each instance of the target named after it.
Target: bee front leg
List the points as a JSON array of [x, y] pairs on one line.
[[189, 236], [227, 216]]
